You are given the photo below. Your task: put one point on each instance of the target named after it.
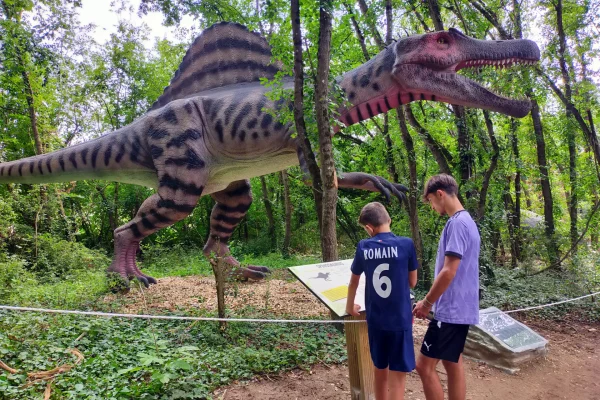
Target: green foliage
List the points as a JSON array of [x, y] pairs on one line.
[[275, 261], [79, 290], [153, 360], [13, 277], [80, 89], [512, 291], [58, 258], [176, 260]]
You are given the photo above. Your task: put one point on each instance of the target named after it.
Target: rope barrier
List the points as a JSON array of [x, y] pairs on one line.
[[550, 304], [254, 320]]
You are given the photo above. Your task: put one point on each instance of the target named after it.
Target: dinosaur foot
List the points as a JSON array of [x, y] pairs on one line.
[[124, 268], [236, 271], [254, 272], [119, 283]]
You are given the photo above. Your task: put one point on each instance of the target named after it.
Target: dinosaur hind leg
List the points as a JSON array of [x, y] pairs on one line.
[[232, 205], [155, 213]]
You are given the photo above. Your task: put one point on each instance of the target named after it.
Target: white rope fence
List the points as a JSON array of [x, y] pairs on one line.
[[254, 320]]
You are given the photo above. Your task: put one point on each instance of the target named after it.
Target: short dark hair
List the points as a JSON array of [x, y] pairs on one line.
[[374, 214], [443, 182]]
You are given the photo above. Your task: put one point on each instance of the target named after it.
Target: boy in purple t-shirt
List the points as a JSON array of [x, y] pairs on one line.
[[454, 295]]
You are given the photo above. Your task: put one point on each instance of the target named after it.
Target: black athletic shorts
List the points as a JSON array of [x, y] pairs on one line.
[[444, 341]]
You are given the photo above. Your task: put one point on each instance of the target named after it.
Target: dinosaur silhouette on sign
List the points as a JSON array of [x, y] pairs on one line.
[[322, 275]]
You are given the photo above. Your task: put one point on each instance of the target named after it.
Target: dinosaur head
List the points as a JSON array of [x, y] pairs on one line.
[[426, 66]]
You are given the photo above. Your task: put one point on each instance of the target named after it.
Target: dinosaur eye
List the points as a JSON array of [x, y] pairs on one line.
[[442, 40]]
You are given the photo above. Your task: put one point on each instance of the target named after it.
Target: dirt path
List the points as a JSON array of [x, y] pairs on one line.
[[570, 371]]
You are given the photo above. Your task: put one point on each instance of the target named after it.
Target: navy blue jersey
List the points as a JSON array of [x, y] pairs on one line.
[[386, 259]]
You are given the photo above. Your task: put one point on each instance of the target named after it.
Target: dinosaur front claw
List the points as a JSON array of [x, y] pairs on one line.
[[361, 180]]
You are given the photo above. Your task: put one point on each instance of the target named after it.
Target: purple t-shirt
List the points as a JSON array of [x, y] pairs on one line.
[[459, 304]]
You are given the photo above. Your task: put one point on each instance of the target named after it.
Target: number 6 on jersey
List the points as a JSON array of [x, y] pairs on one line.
[[379, 281]]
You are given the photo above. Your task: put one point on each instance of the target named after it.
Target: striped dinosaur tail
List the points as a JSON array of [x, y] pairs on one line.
[[115, 157]]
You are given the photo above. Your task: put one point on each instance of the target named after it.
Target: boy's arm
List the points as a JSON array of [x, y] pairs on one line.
[[441, 283], [413, 265], [412, 278], [351, 308]]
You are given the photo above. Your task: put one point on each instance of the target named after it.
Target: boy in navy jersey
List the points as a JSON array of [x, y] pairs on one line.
[[390, 266]]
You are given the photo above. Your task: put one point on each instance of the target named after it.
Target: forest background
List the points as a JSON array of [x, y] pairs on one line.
[[531, 184]]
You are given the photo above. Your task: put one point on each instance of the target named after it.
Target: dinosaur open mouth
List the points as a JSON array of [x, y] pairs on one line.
[[504, 63], [478, 85], [474, 70], [464, 89]]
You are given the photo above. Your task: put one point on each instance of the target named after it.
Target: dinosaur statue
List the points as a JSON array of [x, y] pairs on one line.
[[208, 133]]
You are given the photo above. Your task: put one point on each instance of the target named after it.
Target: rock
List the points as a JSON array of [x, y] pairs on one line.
[[503, 342]]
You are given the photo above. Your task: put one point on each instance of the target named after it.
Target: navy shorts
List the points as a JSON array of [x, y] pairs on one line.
[[444, 341], [392, 349]]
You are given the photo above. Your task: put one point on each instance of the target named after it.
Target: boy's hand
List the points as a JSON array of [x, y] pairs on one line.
[[354, 310], [421, 309]]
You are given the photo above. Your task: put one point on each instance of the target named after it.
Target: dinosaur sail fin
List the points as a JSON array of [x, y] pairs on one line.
[[224, 54]]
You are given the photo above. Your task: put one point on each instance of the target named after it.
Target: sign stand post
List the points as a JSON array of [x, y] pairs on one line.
[[329, 283], [360, 365]]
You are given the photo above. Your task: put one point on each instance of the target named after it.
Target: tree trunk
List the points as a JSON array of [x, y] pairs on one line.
[[328, 176], [495, 239], [115, 206], [348, 224], [562, 49], [388, 39], [517, 211], [527, 194], [358, 31], [544, 182], [29, 96], [589, 135], [219, 271], [389, 22], [465, 159], [309, 156], [594, 225], [413, 196], [269, 212], [288, 214], [439, 153], [491, 17], [112, 222], [31, 106], [595, 230], [573, 201], [390, 150], [436, 16], [371, 24], [493, 164], [509, 208], [538, 129]]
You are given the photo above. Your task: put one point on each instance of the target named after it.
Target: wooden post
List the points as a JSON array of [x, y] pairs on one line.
[[360, 365], [220, 283]]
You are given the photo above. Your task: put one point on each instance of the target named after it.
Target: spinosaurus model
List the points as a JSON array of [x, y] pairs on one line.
[[209, 132]]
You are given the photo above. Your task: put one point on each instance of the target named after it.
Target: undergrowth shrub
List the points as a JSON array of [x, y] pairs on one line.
[[57, 258], [13, 276]]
